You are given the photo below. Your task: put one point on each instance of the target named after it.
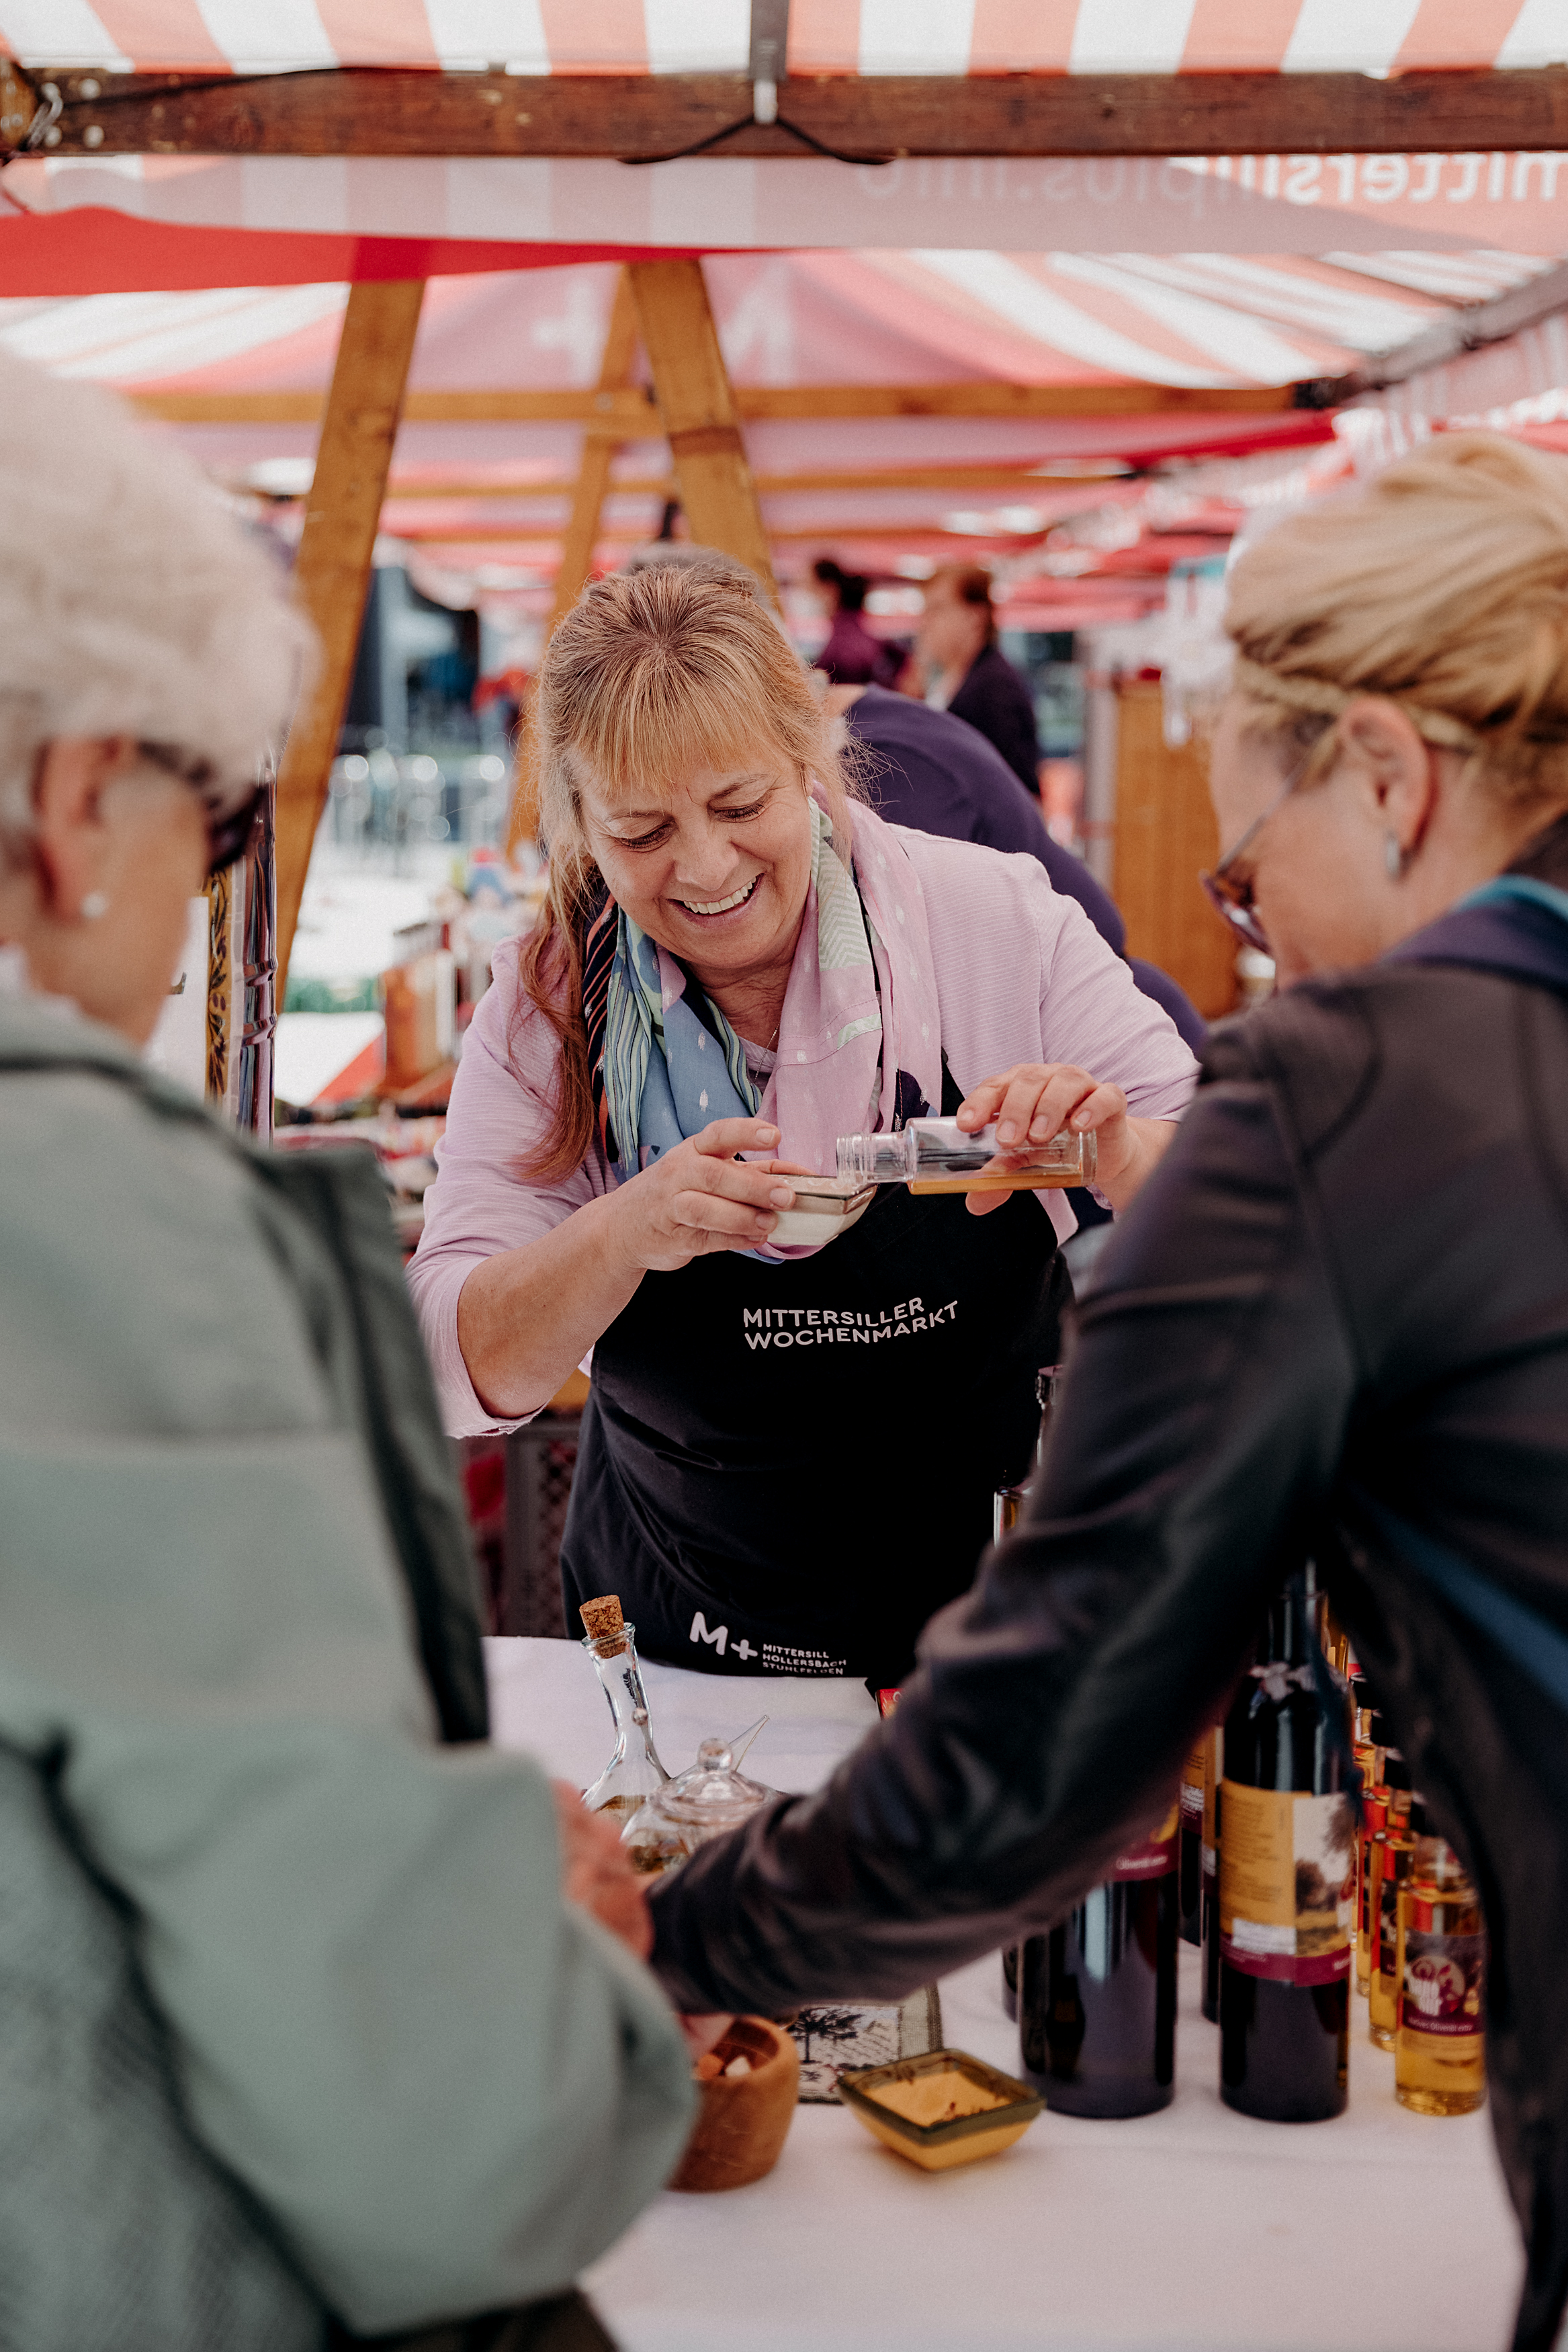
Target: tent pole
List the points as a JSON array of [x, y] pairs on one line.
[[332, 572], [593, 479], [581, 536], [697, 405]]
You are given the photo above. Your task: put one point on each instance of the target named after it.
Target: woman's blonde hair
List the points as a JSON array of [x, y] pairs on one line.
[[652, 675], [1443, 585]]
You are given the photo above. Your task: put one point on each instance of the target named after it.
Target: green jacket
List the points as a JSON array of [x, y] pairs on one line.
[[292, 2015]]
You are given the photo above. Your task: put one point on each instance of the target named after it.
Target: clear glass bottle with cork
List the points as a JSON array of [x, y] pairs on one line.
[[1439, 2046], [937, 1155], [633, 1774]]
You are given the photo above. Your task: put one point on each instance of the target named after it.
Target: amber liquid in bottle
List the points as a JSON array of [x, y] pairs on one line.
[[1393, 1852], [1440, 2049], [1373, 1815]]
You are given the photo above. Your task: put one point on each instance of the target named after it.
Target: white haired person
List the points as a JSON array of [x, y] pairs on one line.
[[1335, 1325], [298, 2034]]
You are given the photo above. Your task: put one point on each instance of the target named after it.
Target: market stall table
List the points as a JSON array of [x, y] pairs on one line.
[[1191, 2230]]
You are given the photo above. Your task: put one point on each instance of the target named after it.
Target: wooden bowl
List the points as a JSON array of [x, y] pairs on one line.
[[744, 2119]]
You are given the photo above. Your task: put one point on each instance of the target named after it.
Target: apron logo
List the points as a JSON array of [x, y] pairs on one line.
[[718, 1639], [827, 1326]]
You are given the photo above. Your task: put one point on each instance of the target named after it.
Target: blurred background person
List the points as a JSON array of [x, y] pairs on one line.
[[315, 2013], [1335, 1325], [967, 673], [852, 654]]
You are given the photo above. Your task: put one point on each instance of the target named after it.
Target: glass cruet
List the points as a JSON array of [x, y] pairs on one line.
[[633, 1774], [710, 1796]]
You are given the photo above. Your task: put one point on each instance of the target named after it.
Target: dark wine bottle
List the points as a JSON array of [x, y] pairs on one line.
[[1286, 1883], [1191, 1852], [1208, 1865], [1009, 1510], [1097, 1997]]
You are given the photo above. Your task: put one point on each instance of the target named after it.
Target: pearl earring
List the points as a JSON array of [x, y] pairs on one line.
[[1393, 858], [94, 906]]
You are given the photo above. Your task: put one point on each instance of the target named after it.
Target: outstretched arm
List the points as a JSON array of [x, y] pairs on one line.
[[1202, 1418]]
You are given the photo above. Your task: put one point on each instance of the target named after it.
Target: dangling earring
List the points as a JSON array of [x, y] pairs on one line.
[[94, 906], [1393, 858]]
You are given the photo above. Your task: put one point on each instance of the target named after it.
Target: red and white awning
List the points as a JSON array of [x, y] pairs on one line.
[[842, 36]]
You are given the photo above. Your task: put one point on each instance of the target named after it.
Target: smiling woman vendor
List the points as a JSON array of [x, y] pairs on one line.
[[788, 1456]]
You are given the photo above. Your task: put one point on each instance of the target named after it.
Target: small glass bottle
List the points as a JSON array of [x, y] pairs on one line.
[[1439, 2049], [1374, 1821], [633, 1774], [935, 1155], [1392, 1852]]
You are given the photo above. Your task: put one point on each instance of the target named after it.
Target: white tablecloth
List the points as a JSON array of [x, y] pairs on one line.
[[1192, 2230]]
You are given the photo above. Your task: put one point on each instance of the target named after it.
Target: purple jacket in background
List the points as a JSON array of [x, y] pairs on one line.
[[935, 773], [852, 656]]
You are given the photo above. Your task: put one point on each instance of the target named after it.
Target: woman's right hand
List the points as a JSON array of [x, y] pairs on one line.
[[699, 1198]]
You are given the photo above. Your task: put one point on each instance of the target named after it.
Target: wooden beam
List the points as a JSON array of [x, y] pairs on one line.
[[332, 571], [635, 417], [597, 454], [624, 415], [641, 117], [665, 485], [823, 535], [698, 409]]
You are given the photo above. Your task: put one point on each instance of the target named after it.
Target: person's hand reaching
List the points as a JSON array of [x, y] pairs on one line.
[[596, 1875]]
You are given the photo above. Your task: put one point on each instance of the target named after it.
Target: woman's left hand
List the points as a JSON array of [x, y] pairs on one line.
[[1035, 1100]]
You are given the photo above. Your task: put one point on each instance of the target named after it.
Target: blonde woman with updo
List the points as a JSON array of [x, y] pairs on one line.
[[1335, 1325], [789, 1455]]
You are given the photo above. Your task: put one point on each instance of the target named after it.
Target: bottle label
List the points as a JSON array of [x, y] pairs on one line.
[[1191, 1799], [1152, 1857], [1444, 1990], [1287, 1867]]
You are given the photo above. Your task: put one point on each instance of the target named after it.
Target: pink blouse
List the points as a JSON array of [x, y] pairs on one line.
[[1022, 975]]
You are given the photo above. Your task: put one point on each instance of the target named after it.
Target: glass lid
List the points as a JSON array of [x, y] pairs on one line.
[[711, 1794]]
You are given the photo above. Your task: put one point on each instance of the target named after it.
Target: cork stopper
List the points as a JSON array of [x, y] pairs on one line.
[[602, 1618]]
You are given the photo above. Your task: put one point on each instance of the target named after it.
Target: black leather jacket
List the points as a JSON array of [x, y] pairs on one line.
[[1337, 1318]]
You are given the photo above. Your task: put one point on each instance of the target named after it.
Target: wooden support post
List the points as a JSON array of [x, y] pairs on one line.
[[332, 572], [593, 480], [582, 533], [698, 409]]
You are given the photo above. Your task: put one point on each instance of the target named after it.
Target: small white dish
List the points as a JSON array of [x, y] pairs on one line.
[[825, 1207]]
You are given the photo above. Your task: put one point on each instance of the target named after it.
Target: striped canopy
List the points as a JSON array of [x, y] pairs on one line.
[[835, 36], [482, 506]]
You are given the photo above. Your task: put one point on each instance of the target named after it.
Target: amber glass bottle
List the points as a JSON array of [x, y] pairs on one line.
[[1440, 2049], [1393, 1852]]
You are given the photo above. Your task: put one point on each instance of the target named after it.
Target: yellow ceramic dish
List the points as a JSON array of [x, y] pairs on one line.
[[942, 2109]]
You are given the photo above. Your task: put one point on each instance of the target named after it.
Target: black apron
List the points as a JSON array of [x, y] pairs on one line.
[[785, 1469]]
